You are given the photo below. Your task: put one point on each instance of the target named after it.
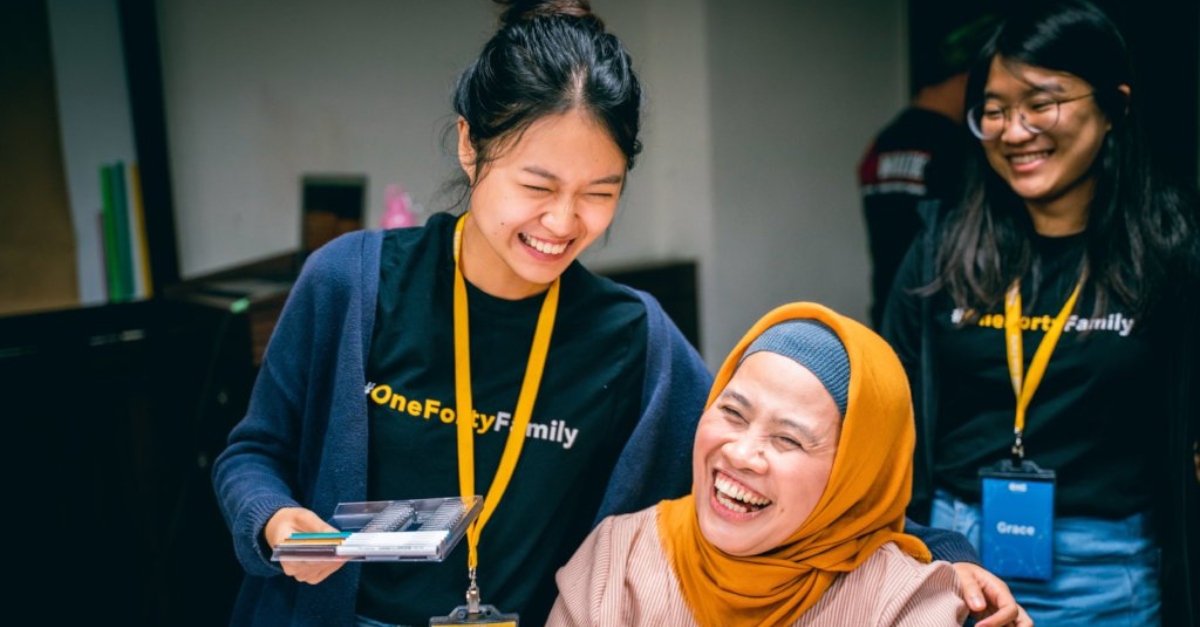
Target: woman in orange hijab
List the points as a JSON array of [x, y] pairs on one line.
[[801, 472]]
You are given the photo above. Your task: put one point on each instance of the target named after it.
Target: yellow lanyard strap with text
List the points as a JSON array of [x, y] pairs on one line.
[[466, 413], [1026, 383]]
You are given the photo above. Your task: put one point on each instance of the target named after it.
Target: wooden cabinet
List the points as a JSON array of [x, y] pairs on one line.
[[114, 414]]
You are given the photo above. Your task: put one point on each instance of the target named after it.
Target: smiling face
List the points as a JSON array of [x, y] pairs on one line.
[[1051, 171], [539, 203], [763, 455]]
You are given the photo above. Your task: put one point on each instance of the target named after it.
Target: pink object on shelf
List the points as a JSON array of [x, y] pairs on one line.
[[397, 208]]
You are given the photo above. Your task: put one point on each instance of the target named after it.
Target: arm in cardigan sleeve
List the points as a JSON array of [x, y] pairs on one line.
[[656, 462], [901, 328], [906, 326], [946, 545], [257, 473]]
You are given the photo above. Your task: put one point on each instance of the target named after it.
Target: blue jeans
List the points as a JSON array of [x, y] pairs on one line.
[[1105, 571]]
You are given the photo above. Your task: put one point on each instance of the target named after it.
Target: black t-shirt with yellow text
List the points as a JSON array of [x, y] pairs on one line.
[[589, 401], [1097, 415]]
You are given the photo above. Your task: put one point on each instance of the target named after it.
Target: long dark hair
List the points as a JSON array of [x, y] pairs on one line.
[[1138, 226], [547, 58]]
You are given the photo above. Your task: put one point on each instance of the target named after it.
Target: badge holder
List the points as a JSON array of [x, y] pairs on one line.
[[1018, 520]]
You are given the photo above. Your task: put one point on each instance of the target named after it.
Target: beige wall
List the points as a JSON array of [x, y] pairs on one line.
[[756, 114]]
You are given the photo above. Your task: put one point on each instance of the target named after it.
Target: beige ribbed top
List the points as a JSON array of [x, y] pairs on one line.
[[620, 577]]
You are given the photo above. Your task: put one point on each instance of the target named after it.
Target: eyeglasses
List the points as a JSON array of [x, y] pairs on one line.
[[1037, 113]]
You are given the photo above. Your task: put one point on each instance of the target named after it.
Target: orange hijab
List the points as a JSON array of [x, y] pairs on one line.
[[861, 509]]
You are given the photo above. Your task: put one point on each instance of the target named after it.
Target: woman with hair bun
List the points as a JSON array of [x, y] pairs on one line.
[[548, 118]]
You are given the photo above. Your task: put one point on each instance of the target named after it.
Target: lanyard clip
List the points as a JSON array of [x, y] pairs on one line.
[[472, 596], [1018, 450]]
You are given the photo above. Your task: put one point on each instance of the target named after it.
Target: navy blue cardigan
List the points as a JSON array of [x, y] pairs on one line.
[[303, 441]]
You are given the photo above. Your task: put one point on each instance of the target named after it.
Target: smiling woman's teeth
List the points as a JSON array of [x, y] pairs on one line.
[[543, 247], [1029, 158], [736, 498]]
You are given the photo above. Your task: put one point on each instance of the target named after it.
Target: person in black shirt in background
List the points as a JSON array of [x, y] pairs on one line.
[[917, 156]]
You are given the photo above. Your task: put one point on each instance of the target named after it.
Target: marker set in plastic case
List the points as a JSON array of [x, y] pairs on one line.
[[417, 530]]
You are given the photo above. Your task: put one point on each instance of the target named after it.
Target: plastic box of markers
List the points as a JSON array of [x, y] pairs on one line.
[[414, 530]]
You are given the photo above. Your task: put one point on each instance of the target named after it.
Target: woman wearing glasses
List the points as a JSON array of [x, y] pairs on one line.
[[1048, 326]]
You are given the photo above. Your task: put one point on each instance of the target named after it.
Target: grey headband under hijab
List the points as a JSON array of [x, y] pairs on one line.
[[813, 345]]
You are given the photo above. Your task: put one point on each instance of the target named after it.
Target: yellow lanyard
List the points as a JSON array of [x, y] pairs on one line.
[[466, 413], [1025, 384]]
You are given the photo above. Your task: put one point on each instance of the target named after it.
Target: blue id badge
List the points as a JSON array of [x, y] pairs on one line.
[[1018, 520]]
